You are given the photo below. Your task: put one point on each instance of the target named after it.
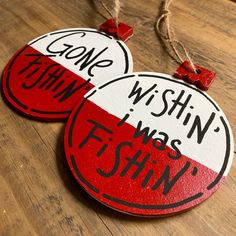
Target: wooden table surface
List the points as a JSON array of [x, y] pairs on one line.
[[38, 195]]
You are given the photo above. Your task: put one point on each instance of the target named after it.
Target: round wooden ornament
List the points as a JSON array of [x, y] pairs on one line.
[[148, 145], [48, 76]]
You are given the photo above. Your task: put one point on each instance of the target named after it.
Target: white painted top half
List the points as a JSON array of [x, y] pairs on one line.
[[79, 41], [211, 152]]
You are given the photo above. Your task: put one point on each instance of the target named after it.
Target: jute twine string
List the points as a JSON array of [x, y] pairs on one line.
[[163, 28], [166, 33], [114, 14]]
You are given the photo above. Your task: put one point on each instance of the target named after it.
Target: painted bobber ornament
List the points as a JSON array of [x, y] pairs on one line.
[[48, 76], [149, 144]]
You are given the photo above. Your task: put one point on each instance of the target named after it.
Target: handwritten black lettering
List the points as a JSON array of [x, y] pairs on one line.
[[159, 143], [117, 160], [137, 92], [197, 124], [139, 131], [92, 135], [177, 151], [134, 162], [165, 103], [82, 57], [177, 102], [165, 177], [46, 75]]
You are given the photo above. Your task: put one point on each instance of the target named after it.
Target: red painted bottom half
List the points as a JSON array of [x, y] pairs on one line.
[[122, 168]]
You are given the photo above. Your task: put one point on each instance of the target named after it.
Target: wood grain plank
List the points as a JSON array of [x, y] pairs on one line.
[[12, 220]]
